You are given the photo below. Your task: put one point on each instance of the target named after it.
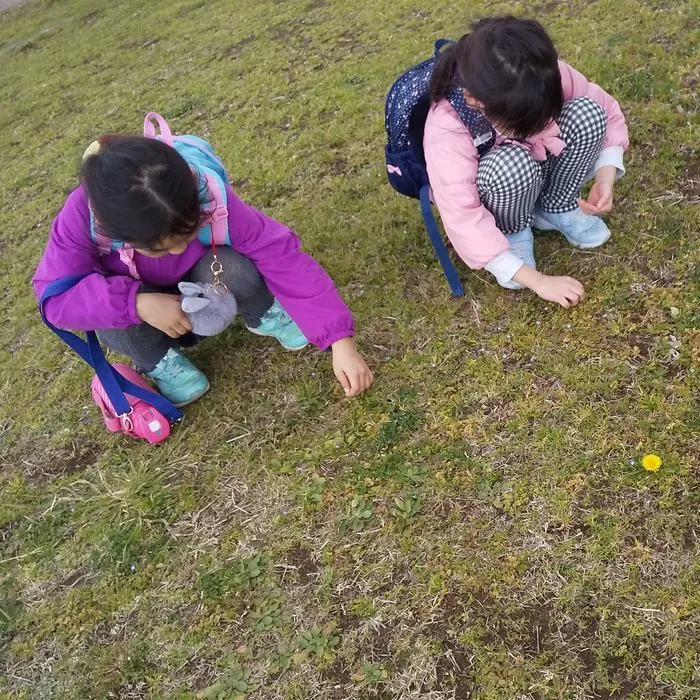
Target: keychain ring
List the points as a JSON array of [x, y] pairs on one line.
[[220, 288]]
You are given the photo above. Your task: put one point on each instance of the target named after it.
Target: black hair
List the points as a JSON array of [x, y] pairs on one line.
[[141, 190], [509, 65]]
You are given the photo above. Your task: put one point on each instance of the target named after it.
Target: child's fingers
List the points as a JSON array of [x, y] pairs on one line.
[[605, 203], [362, 382], [575, 286], [179, 328], [573, 296], [588, 208], [343, 379], [355, 383], [602, 206]]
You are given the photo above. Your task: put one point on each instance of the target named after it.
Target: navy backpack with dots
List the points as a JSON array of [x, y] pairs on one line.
[[406, 110]]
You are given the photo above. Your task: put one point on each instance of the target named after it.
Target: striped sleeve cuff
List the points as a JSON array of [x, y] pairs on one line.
[[504, 266]]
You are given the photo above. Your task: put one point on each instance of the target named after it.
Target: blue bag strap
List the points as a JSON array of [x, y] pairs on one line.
[[439, 245], [115, 385], [113, 381]]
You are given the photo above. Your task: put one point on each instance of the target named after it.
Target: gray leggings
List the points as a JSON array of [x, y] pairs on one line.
[[146, 345]]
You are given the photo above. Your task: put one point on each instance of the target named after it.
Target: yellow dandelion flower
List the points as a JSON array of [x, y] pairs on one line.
[[651, 462]]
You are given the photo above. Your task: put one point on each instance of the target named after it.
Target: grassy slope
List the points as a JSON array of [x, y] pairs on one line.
[[477, 526]]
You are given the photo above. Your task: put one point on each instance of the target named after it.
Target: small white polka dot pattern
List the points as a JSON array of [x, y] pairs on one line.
[[478, 125]]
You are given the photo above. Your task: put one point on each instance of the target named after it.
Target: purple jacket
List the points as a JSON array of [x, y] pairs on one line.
[[106, 298]]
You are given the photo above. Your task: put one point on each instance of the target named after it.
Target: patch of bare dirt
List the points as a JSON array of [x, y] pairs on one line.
[[690, 179], [302, 561], [62, 463]]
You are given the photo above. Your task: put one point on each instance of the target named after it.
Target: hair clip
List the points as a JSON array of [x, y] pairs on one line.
[[92, 150]]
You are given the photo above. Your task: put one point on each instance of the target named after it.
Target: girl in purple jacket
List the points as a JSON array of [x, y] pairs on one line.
[[142, 192]]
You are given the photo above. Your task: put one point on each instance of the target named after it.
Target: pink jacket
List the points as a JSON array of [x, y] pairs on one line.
[[452, 161]]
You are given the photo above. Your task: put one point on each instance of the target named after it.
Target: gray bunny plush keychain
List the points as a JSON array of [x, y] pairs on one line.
[[209, 307]]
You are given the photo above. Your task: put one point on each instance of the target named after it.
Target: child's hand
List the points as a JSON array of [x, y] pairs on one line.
[[350, 369], [163, 311], [600, 198], [565, 291]]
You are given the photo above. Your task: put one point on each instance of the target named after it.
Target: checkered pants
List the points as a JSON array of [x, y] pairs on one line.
[[511, 181]]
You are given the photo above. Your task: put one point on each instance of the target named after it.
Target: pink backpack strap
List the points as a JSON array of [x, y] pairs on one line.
[[149, 130], [126, 255], [104, 244], [218, 217]]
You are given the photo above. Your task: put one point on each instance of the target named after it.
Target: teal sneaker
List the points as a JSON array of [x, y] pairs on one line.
[[178, 379], [580, 229], [276, 323]]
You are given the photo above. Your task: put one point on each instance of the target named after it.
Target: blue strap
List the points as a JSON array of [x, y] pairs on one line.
[[115, 384], [439, 245]]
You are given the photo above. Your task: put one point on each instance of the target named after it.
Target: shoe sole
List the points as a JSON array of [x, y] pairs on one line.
[[192, 399], [288, 348], [542, 225]]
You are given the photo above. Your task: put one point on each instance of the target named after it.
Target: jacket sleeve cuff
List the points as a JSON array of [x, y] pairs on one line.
[[333, 336], [611, 155], [133, 316], [504, 266]]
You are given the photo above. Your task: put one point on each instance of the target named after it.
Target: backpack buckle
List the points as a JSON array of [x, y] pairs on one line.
[[125, 420]]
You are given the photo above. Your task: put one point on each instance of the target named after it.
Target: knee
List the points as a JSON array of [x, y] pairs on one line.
[[584, 118], [508, 168], [125, 339], [239, 273]]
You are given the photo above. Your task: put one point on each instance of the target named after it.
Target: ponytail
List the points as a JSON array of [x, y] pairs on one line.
[[444, 73]]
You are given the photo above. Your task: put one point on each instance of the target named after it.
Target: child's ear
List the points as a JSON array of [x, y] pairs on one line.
[[191, 305], [190, 289]]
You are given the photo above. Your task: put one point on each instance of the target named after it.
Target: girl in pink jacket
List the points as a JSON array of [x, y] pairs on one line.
[[552, 131]]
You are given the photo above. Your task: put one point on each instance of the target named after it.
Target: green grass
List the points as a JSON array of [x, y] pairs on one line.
[[479, 525]]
